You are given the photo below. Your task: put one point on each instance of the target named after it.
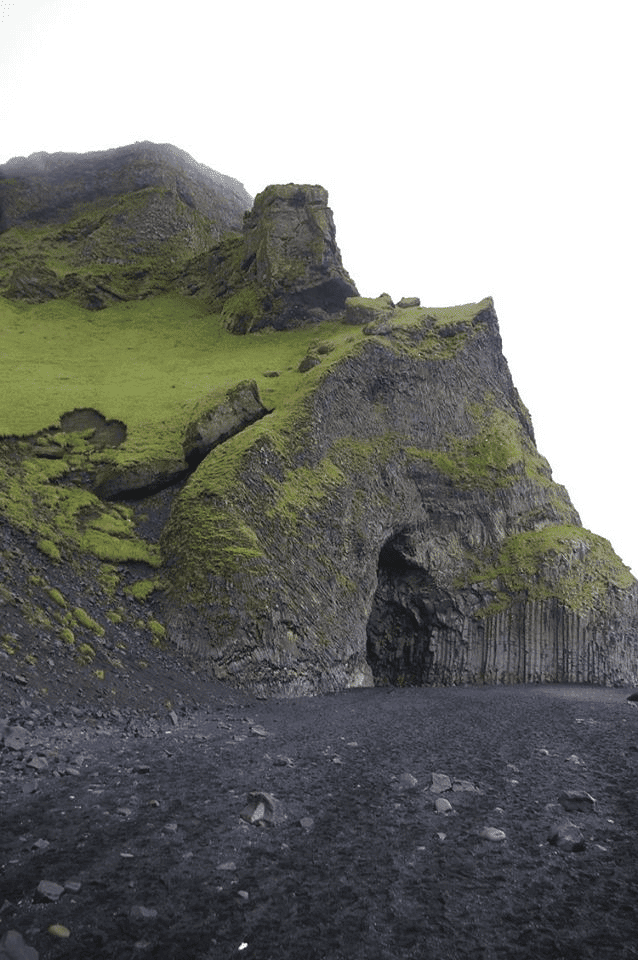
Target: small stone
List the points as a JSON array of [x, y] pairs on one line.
[[258, 731], [13, 947], [38, 763], [47, 890], [57, 930], [142, 913], [566, 836], [72, 886], [307, 823], [16, 738], [262, 809], [243, 895], [283, 762], [577, 800], [575, 759], [440, 783], [464, 786], [442, 805], [173, 717], [228, 867], [41, 845], [493, 834], [407, 781]]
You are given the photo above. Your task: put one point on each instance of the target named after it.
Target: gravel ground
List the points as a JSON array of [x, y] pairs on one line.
[[309, 828]]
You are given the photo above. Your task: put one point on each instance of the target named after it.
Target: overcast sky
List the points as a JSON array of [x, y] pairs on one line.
[[469, 147]]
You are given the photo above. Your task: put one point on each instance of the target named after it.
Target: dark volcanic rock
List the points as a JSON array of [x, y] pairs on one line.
[[408, 532]]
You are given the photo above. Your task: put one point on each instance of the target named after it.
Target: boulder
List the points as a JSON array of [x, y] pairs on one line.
[[219, 421], [367, 310], [290, 266]]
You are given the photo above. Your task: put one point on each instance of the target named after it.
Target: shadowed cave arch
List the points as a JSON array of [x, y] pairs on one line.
[[407, 611]]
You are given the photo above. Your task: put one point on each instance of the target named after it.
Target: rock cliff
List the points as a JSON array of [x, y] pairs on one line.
[[398, 526], [348, 492]]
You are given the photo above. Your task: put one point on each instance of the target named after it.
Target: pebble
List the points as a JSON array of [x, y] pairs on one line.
[[566, 836], [57, 930], [13, 947], [577, 800], [442, 805], [440, 783], [142, 913], [493, 834], [47, 890]]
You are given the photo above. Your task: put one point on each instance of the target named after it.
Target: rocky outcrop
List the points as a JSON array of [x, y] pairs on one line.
[[217, 422], [287, 269], [47, 188], [399, 526], [114, 225]]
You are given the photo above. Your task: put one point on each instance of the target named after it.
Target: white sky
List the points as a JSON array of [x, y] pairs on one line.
[[470, 147]]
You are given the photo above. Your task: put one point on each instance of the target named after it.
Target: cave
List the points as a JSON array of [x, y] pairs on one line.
[[407, 610]]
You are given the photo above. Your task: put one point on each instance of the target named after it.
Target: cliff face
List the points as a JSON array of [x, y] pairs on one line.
[[352, 496], [400, 526]]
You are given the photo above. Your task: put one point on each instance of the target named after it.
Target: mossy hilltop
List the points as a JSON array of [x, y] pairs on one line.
[[378, 511]]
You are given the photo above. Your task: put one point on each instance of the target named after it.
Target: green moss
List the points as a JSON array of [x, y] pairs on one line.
[[142, 589], [68, 518], [49, 549], [498, 455], [85, 654], [109, 578], [57, 597], [158, 631], [67, 635], [566, 562], [305, 489], [114, 616], [9, 643], [86, 621]]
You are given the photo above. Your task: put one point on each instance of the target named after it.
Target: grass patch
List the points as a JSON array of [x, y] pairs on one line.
[[86, 621]]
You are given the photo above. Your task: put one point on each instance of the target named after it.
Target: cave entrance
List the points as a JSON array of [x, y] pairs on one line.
[[406, 612]]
